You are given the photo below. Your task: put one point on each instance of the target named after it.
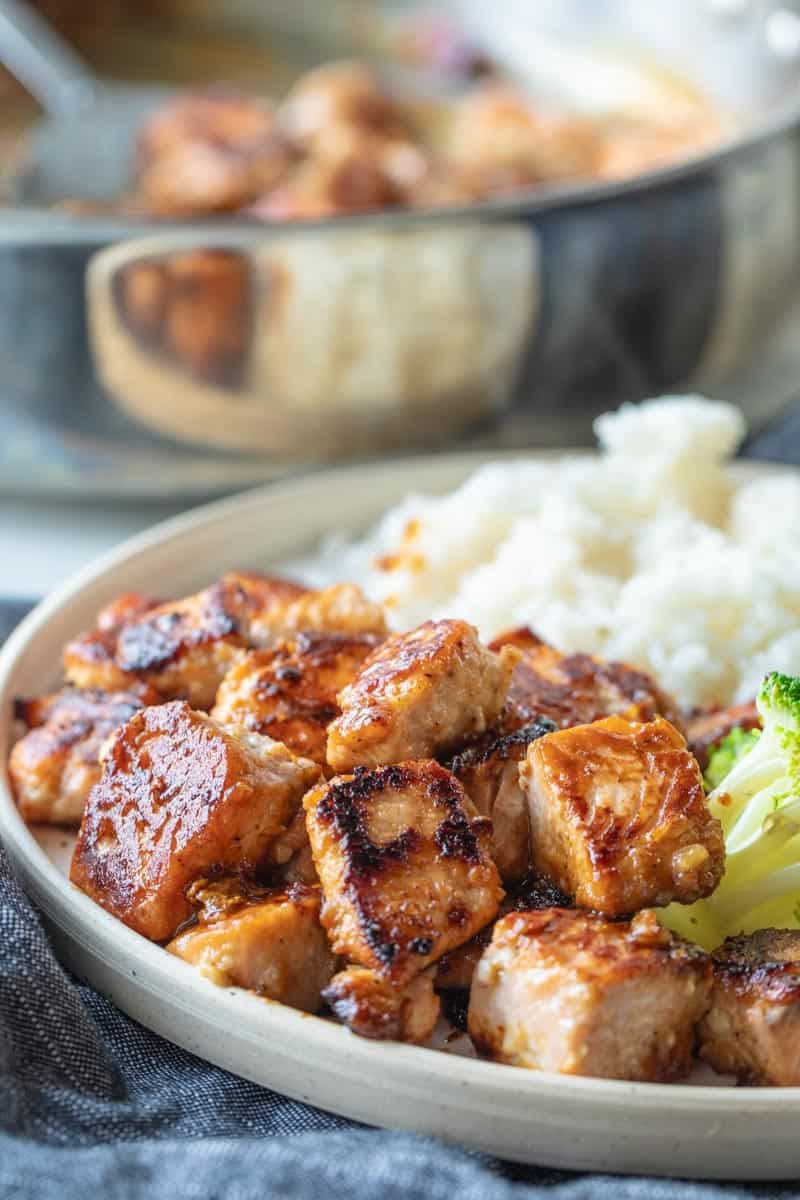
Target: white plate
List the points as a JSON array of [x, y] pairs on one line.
[[590, 1124]]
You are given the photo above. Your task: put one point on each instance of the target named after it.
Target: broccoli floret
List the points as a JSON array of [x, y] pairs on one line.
[[758, 804], [726, 755]]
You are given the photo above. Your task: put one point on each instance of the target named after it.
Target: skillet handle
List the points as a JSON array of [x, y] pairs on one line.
[[47, 66]]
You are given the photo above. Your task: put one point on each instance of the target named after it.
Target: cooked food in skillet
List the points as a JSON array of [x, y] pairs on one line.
[[376, 825], [345, 141]]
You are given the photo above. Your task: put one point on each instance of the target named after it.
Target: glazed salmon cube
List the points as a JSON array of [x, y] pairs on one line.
[[178, 797], [752, 1029], [489, 773], [182, 648], [618, 814], [55, 765], [576, 689], [570, 991], [373, 1007], [342, 608], [404, 864], [290, 691], [421, 694], [273, 945]]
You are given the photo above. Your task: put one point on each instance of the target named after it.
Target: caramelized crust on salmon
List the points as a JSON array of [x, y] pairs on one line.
[[290, 692], [273, 945], [182, 648], [178, 797], [489, 773], [576, 689], [569, 991], [619, 817], [342, 608], [57, 763], [420, 694], [404, 865], [218, 896], [363, 1000], [124, 608], [523, 639], [752, 1029], [89, 658]]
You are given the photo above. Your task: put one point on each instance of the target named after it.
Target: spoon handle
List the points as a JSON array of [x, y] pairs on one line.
[[43, 62]]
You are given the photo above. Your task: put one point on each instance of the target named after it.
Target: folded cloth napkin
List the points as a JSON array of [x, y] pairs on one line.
[[92, 1104]]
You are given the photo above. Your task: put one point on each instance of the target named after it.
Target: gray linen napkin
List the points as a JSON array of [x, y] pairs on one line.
[[92, 1104]]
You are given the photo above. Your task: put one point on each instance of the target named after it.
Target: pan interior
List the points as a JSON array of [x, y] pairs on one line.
[[598, 46], [87, 156]]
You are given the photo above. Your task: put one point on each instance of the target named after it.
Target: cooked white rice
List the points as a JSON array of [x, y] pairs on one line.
[[652, 552]]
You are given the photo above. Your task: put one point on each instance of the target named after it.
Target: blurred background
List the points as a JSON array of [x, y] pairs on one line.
[[243, 239]]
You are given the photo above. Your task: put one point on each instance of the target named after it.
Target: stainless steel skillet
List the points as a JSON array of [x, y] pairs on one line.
[[548, 307]]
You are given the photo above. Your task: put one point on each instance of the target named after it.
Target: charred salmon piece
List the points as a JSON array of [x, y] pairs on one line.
[[455, 969], [261, 594], [273, 945], [289, 692], [180, 796], [420, 694], [705, 730], [489, 773], [55, 765], [182, 648], [404, 864], [124, 608], [619, 818], [342, 608], [363, 1000], [752, 1029], [570, 991], [576, 689], [89, 659]]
